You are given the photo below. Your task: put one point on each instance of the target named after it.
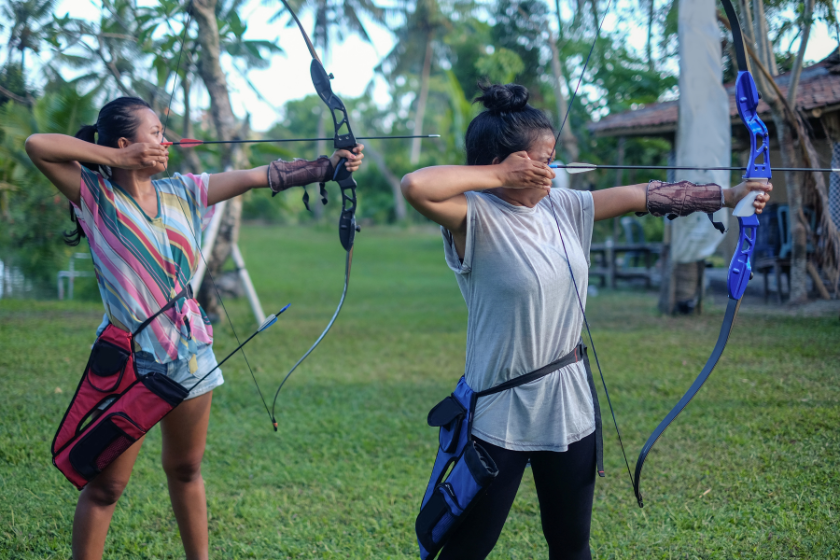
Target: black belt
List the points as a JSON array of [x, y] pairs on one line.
[[577, 354]]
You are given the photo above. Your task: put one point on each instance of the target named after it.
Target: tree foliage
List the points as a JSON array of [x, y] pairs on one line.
[[131, 49]]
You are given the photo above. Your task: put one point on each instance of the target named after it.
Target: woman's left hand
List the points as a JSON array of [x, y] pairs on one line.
[[735, 194], [354, 158]]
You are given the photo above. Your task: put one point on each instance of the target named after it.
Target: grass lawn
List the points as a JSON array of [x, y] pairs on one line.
[[749, 470]]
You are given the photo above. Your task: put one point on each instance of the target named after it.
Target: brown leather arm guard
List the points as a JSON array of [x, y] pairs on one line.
[[298, 173], [683, 198]]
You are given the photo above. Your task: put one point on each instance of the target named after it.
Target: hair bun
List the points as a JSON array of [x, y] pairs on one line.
[[499, 98]]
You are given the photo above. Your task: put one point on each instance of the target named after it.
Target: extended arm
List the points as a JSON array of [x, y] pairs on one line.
[[675, 198], [228, 184]]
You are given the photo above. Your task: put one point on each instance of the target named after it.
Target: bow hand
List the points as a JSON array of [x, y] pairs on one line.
[[751, 192], [350, 159]]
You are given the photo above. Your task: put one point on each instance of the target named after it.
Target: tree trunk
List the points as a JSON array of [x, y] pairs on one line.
[[568, 141], [788, 135], [649, 42], [192, 163], [667, 297], [421, 101], [210, 70], [393, 180]]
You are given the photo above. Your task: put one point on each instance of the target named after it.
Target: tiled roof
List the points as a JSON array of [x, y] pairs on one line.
[[819, 86]]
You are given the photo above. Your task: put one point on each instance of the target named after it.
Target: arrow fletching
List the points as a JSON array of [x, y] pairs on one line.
[[577, 167], [271, 319], [185, 143]]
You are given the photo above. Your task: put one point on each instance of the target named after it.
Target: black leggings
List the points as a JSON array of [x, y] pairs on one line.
[[565, 487]]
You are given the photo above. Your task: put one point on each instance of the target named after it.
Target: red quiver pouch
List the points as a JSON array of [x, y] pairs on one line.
[[90, 438]]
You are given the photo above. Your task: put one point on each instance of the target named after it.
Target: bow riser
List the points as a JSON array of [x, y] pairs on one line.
[[347, 227], [740, 269], [747, 98], [343, 139]]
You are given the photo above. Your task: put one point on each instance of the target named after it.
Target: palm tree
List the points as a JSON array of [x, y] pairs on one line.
[[414, 53], [33, 213], [29, 23]]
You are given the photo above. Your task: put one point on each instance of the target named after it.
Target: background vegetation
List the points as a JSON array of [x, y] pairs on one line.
[[57, 70]]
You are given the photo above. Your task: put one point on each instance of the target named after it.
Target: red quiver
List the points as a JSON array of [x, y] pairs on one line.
[[90, 438]]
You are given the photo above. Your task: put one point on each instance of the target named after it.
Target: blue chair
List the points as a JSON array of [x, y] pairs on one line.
[[773, 247], [634, 233], [783, 220]]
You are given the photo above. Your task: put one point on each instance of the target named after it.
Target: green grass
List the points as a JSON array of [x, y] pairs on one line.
[[749, 470]]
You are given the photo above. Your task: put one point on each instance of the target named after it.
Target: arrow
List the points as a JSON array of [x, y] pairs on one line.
[[580, 167], [270, 320], [193, 142]]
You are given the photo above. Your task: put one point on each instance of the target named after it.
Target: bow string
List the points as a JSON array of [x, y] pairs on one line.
[[566, 252]]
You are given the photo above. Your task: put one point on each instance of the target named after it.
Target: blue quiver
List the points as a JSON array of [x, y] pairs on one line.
[[449, 496], [448, 499]]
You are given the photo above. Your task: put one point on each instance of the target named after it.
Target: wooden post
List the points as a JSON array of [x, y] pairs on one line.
[[619, 161], [209, 241]]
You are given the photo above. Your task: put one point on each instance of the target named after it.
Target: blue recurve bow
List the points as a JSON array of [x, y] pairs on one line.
[[740, 269]]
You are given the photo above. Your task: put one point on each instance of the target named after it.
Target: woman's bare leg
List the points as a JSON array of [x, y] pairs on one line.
[[96, 505], [184, 435]]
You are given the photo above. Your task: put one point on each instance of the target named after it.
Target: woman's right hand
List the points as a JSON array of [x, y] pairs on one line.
[[519, 171], [141, 155]]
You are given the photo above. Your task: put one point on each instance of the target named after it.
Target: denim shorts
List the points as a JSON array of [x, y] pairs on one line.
[[179, 370]]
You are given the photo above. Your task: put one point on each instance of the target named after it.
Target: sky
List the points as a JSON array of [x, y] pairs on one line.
[[353, 61]]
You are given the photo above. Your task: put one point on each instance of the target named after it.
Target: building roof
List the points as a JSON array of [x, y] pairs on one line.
[[819, 91]]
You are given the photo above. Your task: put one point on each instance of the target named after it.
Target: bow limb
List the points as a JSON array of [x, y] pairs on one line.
[[723, 337], [309, 44], [740, 269]]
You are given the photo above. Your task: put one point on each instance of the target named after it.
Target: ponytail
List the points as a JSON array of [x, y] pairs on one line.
[[117, 119]]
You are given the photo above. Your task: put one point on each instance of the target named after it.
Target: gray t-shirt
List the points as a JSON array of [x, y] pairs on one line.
[[523, 314]]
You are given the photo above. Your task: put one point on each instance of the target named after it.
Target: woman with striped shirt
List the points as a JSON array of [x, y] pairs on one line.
[[144, 238]]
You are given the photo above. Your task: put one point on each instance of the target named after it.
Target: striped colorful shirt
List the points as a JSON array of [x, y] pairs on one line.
[[142, 262]]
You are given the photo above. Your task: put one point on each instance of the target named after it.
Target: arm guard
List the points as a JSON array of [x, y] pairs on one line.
[[300, 172], [683, 198]]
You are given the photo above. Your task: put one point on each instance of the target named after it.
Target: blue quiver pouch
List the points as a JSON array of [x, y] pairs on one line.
[[452, 499], [449, 497]]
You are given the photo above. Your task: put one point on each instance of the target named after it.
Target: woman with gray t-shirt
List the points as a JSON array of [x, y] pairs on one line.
[[514, 244]]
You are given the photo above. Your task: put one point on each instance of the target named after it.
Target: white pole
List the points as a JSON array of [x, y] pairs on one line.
[[246, 283], [209, 241]]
